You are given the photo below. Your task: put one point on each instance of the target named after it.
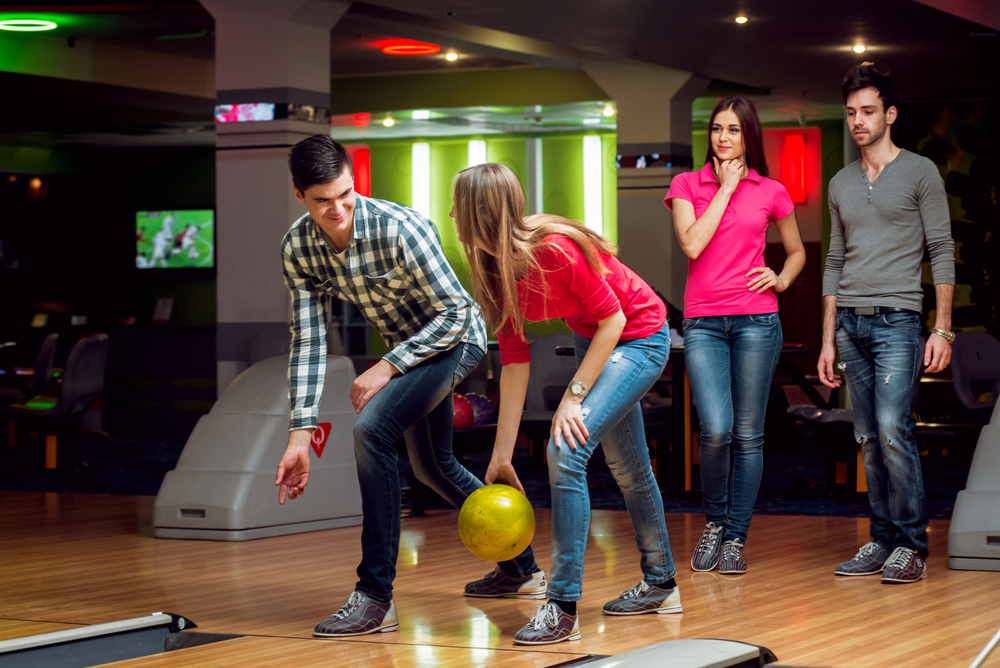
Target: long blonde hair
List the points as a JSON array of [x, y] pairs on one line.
[[489, 212]]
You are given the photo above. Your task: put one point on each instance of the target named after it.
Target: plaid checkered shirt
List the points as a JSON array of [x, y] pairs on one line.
[[395, 271]]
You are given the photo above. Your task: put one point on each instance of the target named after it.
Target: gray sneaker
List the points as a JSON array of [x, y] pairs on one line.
[[706, 552], [904, 566], [360, 616], [870, 560], [642, 599], [497, 584], [732, 561], [549, 625]]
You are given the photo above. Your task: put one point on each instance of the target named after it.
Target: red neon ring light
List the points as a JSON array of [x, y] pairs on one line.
[[407, 47]]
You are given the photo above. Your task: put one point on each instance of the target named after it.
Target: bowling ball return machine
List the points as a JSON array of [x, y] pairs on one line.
[[223, 486]]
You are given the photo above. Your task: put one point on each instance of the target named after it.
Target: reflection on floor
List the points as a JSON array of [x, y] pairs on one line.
[[79, 559]]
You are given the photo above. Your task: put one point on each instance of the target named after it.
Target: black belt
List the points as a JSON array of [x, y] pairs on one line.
[[877, 310]]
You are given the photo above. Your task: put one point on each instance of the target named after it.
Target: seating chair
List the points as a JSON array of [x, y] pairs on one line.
[[551, 374], [975, 369], [81, 386], [840, 459], [19, 390]]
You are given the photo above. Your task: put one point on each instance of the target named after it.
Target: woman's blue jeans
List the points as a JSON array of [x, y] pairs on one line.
[[881, 357], [418, 405], [613, 417], [731, 362]]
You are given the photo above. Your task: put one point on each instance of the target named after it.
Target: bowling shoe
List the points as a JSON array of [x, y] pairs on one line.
[[360, 616], [904, 566], [642, 599], [732, 562], [706, 552], [549, 625], [870, 560], [497, 584]]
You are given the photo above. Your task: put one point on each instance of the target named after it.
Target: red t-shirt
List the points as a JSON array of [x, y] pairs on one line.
[[582, 296], [716, 280]]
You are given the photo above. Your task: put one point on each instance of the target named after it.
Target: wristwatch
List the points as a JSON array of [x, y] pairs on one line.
[[578, 388], [947, 336]]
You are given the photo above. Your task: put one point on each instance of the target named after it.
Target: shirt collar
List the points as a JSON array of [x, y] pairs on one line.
[[705, 175]]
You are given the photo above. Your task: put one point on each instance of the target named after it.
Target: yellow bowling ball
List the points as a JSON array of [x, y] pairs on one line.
[[496, 522]]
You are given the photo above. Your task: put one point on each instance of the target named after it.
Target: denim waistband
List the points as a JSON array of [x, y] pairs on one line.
[[876, 310]]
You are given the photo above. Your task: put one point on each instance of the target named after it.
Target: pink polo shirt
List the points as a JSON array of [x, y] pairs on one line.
[[716, 281]]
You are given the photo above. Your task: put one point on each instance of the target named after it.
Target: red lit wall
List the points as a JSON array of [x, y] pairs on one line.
[[361, 158], [800, 169]]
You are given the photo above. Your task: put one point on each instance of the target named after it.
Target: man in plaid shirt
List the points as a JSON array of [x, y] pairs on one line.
[[387, 259]]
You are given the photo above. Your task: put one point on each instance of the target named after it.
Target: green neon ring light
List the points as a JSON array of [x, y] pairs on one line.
[[27, 25]]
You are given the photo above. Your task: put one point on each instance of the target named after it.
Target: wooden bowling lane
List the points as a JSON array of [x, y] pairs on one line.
[[75, 559], [302, 653], [19, 628]]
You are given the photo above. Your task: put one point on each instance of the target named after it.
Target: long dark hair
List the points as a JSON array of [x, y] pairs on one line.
[[753, 137]]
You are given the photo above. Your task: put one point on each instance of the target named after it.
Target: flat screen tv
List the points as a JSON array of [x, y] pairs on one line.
[[175, 239]]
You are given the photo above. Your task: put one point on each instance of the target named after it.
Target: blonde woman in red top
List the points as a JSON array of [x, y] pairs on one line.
[[543, 267]]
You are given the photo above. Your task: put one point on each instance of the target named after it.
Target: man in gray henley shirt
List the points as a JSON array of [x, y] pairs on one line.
[[885, 209]]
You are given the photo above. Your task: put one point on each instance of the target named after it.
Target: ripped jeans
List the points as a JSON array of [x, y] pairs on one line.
[[613, 417], [881, 356]]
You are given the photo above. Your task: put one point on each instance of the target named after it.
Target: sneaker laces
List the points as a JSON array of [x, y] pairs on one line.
[[496, 572], [353, 601], [866, 550], [710, 535], [632, 592], [732, 549], [899, 557], [547, 615]]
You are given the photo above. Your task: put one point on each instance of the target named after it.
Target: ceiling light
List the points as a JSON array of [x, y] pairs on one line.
[[27, 25], [388, 122], [421, 114], [591, 121], [741, 19], [407, 47], [609, 110], [860, 48], [451, 57]]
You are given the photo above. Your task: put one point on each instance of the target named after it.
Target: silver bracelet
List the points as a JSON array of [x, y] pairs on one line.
[[947, 336]]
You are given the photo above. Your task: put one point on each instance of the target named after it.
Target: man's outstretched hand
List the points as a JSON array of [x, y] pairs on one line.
[[293, 469]]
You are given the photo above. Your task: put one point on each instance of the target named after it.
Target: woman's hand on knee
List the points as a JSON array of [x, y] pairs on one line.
[[568, 424]]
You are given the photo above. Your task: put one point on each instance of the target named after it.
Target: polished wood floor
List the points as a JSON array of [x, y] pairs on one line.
[[70, 559]]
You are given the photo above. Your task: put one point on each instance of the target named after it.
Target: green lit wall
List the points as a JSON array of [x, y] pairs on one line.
[[562, 179]]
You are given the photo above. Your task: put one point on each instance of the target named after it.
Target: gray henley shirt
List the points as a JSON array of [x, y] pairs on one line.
[[878, 232]]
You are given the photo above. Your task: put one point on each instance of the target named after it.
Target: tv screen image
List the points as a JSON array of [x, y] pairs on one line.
[[175, 239]]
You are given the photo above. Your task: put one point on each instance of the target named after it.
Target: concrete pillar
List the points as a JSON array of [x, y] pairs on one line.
[[654, 118], [275, 52]]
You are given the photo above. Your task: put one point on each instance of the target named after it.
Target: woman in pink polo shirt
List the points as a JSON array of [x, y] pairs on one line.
[[544, 267], [732, 334]]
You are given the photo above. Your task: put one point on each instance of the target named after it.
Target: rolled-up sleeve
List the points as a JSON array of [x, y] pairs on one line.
[[934, 213], [307, 358]]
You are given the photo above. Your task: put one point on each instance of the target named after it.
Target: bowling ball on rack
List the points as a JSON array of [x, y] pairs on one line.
[[482, 409], [496, 522], [464, 415]]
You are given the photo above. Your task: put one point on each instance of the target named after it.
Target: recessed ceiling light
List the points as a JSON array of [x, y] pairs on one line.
[[609, 110], [860, 48], [421, 114], [27, 25], [388, 122], [741, 19], [451, 57]]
